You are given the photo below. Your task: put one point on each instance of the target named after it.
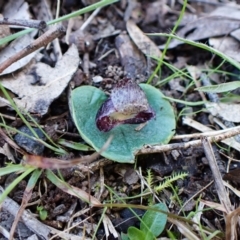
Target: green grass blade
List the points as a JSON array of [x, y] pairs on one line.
[[92, 7], [185, 102], [33, 179], [168, 42], [12, 168], [74, 14], [14, 36], [220, 88], [14, 183], [75, 145], [202, 46]]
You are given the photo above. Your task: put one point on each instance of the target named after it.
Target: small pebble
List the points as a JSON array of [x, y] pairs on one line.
[[29, 144]]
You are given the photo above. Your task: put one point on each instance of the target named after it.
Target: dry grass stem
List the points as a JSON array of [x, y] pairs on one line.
[[221, 191]]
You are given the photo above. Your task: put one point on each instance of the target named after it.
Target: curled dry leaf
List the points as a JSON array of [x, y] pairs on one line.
[[127, 104], [144, 43], [13, 48], [132, 59]]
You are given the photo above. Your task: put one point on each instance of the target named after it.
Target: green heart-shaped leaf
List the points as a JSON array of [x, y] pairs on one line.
[[85, 102]]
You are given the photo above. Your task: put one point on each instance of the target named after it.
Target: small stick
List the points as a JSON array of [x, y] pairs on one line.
[[221, 191], [43, 40], [41, 25], [206, 134], [184, 145]]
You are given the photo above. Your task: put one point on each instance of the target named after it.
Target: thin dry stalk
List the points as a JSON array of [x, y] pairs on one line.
[[32, 223], [231, 142], [184, 229], [222, 193], [26, 197], [206, 134], [10, 142], [54, 163]]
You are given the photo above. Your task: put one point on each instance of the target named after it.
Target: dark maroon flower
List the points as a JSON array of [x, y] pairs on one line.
[[126, 105]]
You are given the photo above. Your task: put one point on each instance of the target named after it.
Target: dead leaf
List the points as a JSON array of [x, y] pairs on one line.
[[36, 97], [106, 29], [156, 11], [17, 10], [232, 219], [42, 10], [15, 47], [144, 43], [224, 11], [6, 151], [226, 45], [130, 177], [202, 28], [236, 34], [214, 205], [228, 111], [132, 60]]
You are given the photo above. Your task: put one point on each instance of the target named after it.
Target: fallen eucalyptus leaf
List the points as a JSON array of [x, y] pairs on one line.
[[143, 42], [205, 27]]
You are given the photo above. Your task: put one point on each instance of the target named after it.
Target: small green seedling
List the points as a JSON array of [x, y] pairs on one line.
[[42, 213], [152, 225]]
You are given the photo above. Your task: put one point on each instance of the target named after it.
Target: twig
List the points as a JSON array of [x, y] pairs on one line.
[[32, 223], [26, 197], [231, 142], [222, 193], [41, 25], [42, 230], [43, 40], [206, 134], [10, 142], [195, 143]]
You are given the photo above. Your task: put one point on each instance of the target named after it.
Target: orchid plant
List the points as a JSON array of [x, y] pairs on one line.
[[98, 116]]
